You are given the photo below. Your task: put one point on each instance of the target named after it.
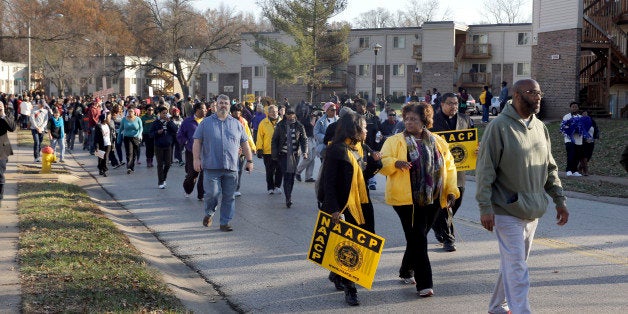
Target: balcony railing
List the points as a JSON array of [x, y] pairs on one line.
[[474, 79], [417, 52], [477, 51]]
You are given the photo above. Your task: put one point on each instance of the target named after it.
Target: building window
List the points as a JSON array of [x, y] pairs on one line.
[[523, 69], [364, 42], [211, 77], [523, 39], [478, 67], [133, 81], [258, 71], [364, 94], [259, 93], [114, 80], [479, 39], [364, 70], [399, 42], [399, 70], [148, 81]]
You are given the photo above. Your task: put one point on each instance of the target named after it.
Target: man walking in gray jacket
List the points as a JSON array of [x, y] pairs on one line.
[[515, 169]]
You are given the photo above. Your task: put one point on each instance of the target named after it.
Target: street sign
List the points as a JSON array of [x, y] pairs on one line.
[[228, 89], [245, 84]]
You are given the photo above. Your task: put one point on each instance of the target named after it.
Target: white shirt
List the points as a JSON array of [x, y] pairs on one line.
[[25, 108], [106, 134]]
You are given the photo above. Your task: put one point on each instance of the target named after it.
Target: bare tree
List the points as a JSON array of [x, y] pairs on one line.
[[505, 11], [421, 11], [177, 38], [376, 18]]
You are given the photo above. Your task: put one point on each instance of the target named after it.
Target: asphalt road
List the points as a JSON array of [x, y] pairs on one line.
[[261, 266]]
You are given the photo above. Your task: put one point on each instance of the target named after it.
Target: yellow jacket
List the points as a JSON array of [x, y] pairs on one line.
[[398, 189], [249, 136], [265, 132]]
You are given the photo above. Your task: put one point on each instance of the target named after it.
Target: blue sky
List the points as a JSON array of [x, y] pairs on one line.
[[466, 11]]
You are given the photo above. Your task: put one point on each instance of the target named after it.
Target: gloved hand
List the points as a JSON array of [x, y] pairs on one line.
[[260, 153]]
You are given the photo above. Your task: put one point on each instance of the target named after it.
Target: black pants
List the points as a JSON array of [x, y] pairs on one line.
[[102, 162], [149, 143], [573, 156], [273, 173], [288, 174], [131, 146], [164, 159], [415, 258], [443, 229], [191, 175]]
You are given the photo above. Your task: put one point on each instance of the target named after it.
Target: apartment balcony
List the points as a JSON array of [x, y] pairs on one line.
[[477, 51], [417, 52], [474, 80]]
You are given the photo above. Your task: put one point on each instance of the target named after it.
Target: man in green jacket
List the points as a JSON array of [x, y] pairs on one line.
[[515, 169]]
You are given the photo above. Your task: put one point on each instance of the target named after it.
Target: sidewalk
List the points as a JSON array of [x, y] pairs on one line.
[[194, 291]]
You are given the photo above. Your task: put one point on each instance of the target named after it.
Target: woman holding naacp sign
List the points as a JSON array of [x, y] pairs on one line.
[[421, 180], [347, 166]]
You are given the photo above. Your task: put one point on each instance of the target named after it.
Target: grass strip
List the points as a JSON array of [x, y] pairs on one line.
[[73, 259]]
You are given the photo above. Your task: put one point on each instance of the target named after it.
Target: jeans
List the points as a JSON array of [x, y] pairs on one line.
[[308, 164], [61, 143], [164, 159], [217, 182], [70, 137], [416, 222], [132, 151], [38, 138], [90, 140], [241, 164], [484, 113], [573, 156], [514, 237]]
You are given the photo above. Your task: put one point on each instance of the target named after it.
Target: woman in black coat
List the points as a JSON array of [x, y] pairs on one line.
[[344, 192]]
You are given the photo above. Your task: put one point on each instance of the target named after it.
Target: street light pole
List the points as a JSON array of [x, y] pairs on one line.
[[376, 49], [28, 88]]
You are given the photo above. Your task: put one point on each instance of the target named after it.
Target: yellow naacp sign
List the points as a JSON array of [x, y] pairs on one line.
[[462, 145], [249, 98], [346, 249]]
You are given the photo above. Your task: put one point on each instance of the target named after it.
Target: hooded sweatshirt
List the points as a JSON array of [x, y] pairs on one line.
[[515, 168]]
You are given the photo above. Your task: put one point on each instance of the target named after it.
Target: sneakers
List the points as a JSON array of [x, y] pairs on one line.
[[278, 190], [298, 177], [573, 174], [226, 228], [207, 221], [408, 281], [271, 192], [129, 171], [162, 186], [426, 293], [38, 159], [187, 195], [237, 193], [568, 173]]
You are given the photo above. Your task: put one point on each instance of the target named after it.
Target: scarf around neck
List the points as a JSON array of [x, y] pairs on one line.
[[427, 165], [357, 192]]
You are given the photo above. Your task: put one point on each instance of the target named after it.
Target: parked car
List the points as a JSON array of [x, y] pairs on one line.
[[495, 108], [471, 106]]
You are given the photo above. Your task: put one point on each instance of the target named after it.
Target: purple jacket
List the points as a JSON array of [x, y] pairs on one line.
[[185, 135]]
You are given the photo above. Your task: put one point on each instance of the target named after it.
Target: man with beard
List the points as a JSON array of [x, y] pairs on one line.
[[515, 169], [289, 142], [449, 119], [217, 143]]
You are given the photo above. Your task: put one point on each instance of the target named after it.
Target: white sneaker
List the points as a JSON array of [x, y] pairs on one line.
[[577, 174], [568, 173], [162, 186], [408, 281], [237, 193], [165, 185], [187, 195], [270, 192], [278, 190], [426, 293]]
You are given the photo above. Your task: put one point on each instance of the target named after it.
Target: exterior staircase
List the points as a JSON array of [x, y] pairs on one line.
[[604, 53]]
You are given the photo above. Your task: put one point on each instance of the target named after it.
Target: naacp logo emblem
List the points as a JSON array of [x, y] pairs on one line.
[[348, 255], [459, 153]]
